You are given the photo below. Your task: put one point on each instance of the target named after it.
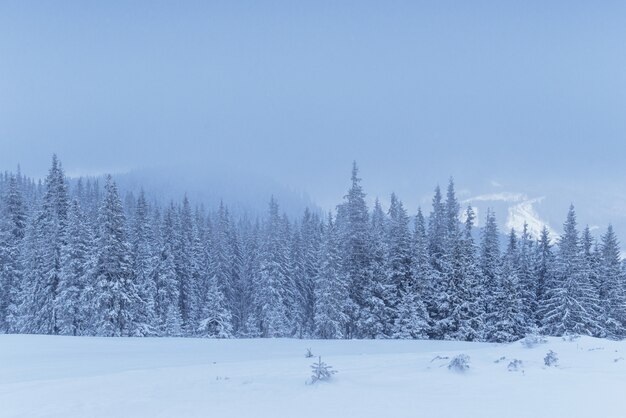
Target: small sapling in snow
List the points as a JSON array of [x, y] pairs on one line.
[[321, 371]]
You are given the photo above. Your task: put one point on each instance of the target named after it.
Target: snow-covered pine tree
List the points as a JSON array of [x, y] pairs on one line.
[[250, 271], [591, 264], [221, 254], [398, 243], [295, 272], [376, 316], [612, 287], [353, 226], [145, 260], [75, 287], [117, 297], [423, 273], [544, 267], [508, 317], [166, 307], [447, 293], [272, 278], [216, 319], [46, 237], [570, 302], [12, 231], [527, 276], [310, 236], [331, 291], [467, 315], [490, 270], [183, 256]]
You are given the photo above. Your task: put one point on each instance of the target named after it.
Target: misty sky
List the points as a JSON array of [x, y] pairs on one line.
[[507, 97]]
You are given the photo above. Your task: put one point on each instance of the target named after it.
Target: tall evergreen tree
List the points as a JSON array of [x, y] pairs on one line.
[[353, 224], [272, 279], [490, 270], [46, 238], [145, 260], [570, 303], [117, 296], [330, 290], [612, 286], [12, 231], [75, 288]]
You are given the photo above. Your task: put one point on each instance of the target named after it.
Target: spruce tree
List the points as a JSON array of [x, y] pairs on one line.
[[331, 292], [117, 296], [353, 226], [13, 224], [272, 278], [570, 300], [75, 287], [46, 237], [490, 269], [612, 287], [376, 316], [508, 317]]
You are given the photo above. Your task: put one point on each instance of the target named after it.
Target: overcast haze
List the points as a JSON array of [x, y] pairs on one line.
[[519, 102]]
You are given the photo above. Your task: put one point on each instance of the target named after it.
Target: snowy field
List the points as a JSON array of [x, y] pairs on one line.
[[46, 376]]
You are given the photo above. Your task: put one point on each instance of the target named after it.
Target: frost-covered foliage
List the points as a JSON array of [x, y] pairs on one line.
[[321, 371], [533, 340], [460, 363], [77, 258], [515, 365], [551, 359]]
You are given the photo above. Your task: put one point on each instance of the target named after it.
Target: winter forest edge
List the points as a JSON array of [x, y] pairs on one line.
[[77, 261]]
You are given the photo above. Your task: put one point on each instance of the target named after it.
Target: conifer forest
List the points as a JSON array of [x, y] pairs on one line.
[[76, 258]]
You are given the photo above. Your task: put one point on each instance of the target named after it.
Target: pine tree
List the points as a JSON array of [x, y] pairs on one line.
[[490, 270], [527, 277], [330, 290], [545, 271], [308, 250], [376, 316], [467, 315], [353, 225], [508, 319], [46, 237], [612, 287], [75, 288], [272, 278], [216, 319], [117, 297], [570, 299], [166, 307], [423, 273], [12, 231], [145, 260]]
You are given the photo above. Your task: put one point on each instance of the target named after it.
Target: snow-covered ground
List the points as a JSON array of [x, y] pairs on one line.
[[46, 376]]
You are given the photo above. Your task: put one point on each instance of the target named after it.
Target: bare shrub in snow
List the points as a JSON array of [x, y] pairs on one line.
[[551, 359], [309, 353], [515, 365], [321, 371], [460, 363]]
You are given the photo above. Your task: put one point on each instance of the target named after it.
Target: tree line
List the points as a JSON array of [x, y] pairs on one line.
[[76, 260]]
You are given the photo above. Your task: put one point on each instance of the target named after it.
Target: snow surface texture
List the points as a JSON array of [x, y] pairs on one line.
[[48, 376]]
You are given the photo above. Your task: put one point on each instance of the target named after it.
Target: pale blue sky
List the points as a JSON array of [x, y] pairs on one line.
[[528, 95]]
